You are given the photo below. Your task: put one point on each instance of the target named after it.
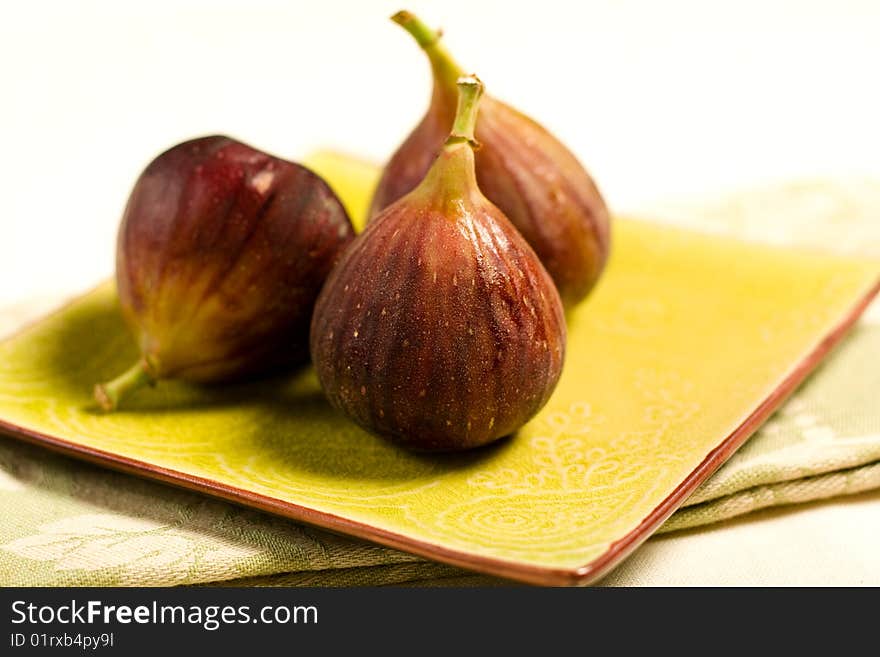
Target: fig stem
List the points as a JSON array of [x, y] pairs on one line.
[[108, 395], [419, 30], [446, 70], [470, 88]]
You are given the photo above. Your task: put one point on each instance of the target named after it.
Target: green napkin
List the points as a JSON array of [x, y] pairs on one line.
[[825, 441], [71, 523]]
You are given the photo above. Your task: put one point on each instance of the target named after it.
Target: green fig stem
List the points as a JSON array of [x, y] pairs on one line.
[[108, 395], [446, 70], [469, 91], [452, 177], [423, 34]]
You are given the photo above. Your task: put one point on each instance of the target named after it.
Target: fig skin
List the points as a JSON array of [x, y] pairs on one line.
[[221, 253], [439, 328], [529, 174]]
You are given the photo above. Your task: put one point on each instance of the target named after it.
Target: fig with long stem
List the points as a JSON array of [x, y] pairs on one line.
[[528, 173]]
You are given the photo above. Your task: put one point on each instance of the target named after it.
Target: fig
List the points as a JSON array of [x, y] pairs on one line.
[[221, 253], [523, 169], [439, 328]]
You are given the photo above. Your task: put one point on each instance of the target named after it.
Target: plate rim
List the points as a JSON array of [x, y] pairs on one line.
[[529, 573]]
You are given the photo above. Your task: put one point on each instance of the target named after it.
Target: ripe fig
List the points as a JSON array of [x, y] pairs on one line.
[[535, 180], [439, 328], [221, 253]]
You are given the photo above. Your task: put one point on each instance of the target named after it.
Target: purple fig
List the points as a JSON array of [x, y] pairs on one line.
[[221, 254], [439, 328], [529, 174]]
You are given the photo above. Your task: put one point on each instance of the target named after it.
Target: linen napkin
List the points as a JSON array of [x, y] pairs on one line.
[[72, 523], [825, 441]]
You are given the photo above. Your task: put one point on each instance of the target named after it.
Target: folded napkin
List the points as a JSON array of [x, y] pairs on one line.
[[825, 441], [71, 523]]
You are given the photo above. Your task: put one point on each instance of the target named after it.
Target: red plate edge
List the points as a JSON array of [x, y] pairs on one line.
[[528, 573]]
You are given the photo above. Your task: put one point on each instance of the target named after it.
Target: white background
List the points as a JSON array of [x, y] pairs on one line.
[[659, 99]]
